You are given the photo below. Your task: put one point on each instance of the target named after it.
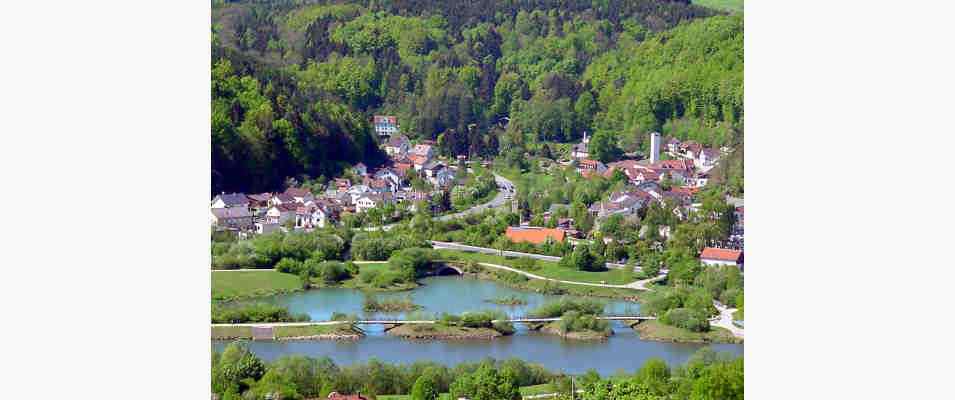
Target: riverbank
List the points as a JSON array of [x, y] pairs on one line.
[[657, 331], [442, 332], [318, 332], [341, 331]]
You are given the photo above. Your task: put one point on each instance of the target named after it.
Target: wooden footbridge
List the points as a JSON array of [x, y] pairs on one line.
[[519, 319]]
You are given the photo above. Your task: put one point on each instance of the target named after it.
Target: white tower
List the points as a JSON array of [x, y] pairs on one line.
[[654, 147]]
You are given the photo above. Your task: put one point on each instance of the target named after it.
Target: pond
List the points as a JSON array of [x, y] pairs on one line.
[[623, 351]]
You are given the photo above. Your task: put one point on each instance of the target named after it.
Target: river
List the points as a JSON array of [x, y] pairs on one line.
[[623, 351]]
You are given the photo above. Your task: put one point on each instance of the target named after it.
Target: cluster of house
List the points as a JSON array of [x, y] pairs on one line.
[[301, 209], [420, 158], [690, 166], [686, 173], [267, 212]]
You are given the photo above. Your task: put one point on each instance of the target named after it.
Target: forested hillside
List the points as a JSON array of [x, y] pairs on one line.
[[295, 83]]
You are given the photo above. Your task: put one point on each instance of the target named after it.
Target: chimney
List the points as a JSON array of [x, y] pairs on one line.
[[654, 147]]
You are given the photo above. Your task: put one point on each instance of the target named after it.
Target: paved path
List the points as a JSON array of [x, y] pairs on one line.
[[636, 285], [725, 319], [488, 250]]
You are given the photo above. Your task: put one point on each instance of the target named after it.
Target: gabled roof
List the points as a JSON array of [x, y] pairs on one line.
[[233, 199], [421, 149], [712, 253], [385, 119], [298, 192], [261, 197], [397, 141], [286, 207], [418, 159], [533, 235]]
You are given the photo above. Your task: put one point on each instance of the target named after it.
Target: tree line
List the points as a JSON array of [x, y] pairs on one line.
[[239, 373]]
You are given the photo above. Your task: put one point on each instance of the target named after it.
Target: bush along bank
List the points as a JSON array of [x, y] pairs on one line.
[[578, 319], [469, 325]]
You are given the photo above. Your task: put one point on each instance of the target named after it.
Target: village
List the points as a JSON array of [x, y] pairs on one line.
[[672, 176]]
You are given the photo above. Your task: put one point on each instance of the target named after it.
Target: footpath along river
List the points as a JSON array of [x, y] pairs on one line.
[[623, 351]]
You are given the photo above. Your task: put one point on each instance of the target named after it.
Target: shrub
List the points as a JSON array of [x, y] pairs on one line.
[[574, 321], [258, 312], [687, 319], [289, 266], [332, 271], [729, 297], [562, 306], [368, 276], [526, 264]]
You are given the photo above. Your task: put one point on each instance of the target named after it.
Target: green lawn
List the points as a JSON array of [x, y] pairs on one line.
[[725, 5], [231, 285], [548, 269]]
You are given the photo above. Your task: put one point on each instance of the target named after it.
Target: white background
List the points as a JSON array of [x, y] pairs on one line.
[[105, 176]]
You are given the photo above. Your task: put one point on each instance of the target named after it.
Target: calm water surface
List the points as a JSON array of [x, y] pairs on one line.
[[623, 351]]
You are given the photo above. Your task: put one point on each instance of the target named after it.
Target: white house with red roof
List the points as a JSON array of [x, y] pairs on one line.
[[716, 256], [385, 125]]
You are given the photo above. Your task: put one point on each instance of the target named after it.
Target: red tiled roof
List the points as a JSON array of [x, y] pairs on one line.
[[297, 192], [534, 235], [712, 253], [388, 119], [685, 190]]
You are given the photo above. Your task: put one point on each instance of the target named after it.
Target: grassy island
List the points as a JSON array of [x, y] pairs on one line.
[[656, 330], [469, 325], [578, 319]]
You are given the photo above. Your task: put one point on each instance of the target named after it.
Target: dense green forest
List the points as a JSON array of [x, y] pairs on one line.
[[295, 83]]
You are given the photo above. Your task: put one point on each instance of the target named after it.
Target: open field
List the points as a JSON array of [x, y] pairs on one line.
[[725, 5], [655, 330], [546, 269], [232, 285]]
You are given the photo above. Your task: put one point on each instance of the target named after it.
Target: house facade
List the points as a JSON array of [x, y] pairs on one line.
[[231, 218], [397, 145], [385, 125]]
